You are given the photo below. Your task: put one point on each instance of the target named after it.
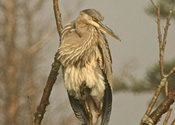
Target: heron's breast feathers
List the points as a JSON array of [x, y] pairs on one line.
[[90, 75]]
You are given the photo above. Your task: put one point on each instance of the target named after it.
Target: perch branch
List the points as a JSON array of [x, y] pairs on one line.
[[57, 16], [41, 109]]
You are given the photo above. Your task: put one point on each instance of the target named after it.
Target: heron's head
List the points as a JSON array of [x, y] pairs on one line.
[[93, 17]]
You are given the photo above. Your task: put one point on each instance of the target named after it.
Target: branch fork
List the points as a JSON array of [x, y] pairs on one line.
[[152, 119]]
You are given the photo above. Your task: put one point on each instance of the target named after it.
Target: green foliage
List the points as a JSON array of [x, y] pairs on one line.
[[128, 82], [153, 74], [165, 7]]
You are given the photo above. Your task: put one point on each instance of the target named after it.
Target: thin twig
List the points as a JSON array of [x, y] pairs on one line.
[[167, 116], [169, 110], [41, 109], [154, 99], [153, 4], [173, 123], [40, 44], [166, 30], [161, 51], [171, 72], [166, 88]]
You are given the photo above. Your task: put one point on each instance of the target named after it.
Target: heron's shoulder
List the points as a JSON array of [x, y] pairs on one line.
[[68, 28]]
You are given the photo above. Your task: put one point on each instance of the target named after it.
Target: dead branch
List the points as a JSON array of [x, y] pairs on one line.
[[163, 107], [166, 30], [161, 51], [37, 6], [154, 99], [171, 72], [153, 4], [173, 123], [57, 16], [41, 109], [40, 44], [11, 106], [167, 117], [162, 43], [170, 109]]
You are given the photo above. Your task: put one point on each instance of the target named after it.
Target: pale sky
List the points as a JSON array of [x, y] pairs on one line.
[[139, 47]]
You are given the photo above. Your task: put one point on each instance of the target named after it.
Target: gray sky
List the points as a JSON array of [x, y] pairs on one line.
[[139, 48]]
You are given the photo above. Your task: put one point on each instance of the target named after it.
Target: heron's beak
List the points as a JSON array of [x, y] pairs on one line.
[[106, 29]]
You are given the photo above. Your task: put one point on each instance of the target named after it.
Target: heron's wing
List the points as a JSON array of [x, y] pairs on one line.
[[107, 104], [79, 110], [105, 66]]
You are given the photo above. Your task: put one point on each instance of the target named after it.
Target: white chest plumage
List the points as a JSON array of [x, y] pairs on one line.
[[75, 76]]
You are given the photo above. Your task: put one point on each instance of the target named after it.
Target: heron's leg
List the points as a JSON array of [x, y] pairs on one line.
[[97, 108], [97, 111], [89, 112]]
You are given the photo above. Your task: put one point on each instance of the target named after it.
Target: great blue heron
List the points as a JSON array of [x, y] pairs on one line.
[[86, 65]]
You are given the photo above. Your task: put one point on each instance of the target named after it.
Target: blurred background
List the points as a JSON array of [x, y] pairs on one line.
[[29, 41]]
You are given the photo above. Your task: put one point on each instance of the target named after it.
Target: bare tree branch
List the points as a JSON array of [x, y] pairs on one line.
[[41, 109], [40, 43], [53, 73], [2, 7], [166, 30], [171, 72], [37, 6], [167, 117], [153, 4], [154, 99], [161, 51], [166, 88], [173, 123], [163, 107], [11, 105], [57, 16], [169, 110]]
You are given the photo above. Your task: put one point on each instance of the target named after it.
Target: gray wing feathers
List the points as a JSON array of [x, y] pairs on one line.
[[107, 73], [107, 104], [79, 110]]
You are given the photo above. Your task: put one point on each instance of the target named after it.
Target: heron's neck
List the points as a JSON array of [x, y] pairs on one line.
[[82, 29]]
